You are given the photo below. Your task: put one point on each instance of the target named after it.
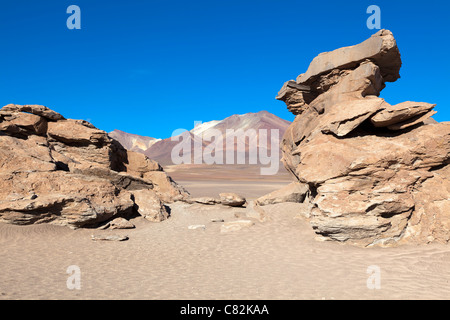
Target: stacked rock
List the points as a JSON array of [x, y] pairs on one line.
[[377, 173]]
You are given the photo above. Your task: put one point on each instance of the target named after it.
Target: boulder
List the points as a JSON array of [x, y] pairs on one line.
[[120, 223], [372, 168], [232, 200], [67, 172], [381, 48], [167, 189], [77, 133], [150, 206], [138, 164], [293, 192], [33, 109], [401, 112]]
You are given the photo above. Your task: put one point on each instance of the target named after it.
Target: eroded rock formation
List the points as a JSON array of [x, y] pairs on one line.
[[68, 172], [377, 173]]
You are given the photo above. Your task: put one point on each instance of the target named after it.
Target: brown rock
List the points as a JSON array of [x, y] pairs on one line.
[[204, 200], [67, 172], [35, 124], [371, 181], [61, 198], [232, 200], [167, 189], [75, 132], [149, 205], [420, 119], [120, 223], [293, 192], [401, 112], [138, 164], [34, 109], [430, 220], [380, 48]]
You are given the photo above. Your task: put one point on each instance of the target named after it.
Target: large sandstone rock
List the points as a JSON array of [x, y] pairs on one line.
[[68, 172], [377, 173]]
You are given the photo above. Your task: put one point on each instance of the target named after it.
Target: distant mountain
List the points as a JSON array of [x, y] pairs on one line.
[[133, 142], [250, 123]]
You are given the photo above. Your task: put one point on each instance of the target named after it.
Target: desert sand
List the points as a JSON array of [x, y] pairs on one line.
[[275, 259], [210, 180]]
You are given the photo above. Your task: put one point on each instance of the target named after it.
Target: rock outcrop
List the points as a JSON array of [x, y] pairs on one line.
[[294, 192], [68, 172], [377, 173]]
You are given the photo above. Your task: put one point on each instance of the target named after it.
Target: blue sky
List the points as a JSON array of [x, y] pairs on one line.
[[151, 66]]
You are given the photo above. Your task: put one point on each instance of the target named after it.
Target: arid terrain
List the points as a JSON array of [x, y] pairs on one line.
[[362, 214], [209, 181], [275, 259]]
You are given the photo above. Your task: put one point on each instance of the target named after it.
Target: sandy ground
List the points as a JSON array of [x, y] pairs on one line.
[[245, 180], [275, 259]]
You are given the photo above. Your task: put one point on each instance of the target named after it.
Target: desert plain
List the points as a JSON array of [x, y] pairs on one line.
[[278, 258], [361, 212]]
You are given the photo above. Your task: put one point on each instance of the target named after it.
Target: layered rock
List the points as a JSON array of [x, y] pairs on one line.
[[68, 172], [372, 168], [294, 192]]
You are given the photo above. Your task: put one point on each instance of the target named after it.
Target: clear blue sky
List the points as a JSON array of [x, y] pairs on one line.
[[151, 66]]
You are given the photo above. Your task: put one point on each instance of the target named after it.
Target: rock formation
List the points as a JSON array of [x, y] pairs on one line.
[[133, 142], [294, 192], [377, 173], [68, 172]]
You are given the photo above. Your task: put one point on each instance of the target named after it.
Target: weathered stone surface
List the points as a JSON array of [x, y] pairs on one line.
[[33, 109], [25, 122], [401, 112], [138, 164], [120, 223], [61, 198], [150, 206], [372, 168], [430, 220], [68, 172], [412, 121], [380, 48], [20, 155], [167, 189], [295, 97], [75, 132], [232, 200], [204, 200], [293, 192]]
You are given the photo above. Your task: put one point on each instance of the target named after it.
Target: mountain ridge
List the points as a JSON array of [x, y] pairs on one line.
[[251, 123]]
